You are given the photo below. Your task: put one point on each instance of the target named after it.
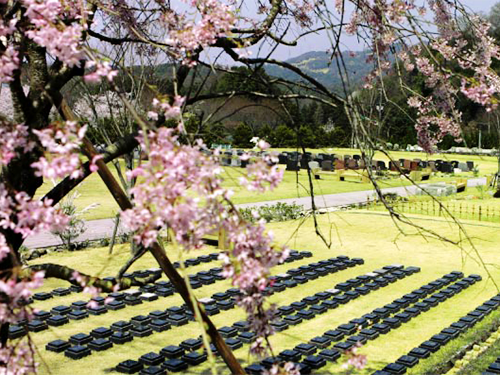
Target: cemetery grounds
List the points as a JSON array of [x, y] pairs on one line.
[[366, 234]]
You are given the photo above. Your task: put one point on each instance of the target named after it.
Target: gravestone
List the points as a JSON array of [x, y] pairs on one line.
[[339, 164], [191, 344], [172, 351], [129, 366], [235, 160], [463, 167], [77, 352], [432, 166], [234, 343], [292, 165], [446, 167], [352, 164], [121, 337], [381, 165], [175, 365], [226, 159], [57, 346], [313, 165], [438, 189], [394, 165], [100, 344], [283, 159]]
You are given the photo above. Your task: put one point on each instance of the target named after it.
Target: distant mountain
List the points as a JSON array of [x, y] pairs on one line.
[[321, 67]]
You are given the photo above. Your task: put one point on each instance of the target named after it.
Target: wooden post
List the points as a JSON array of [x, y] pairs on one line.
[[479, 213], [222, 240]]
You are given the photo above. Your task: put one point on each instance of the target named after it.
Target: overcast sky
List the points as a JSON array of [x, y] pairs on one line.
[[321, 43]]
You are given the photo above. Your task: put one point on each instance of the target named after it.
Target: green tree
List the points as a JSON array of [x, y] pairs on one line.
[[242, 136]]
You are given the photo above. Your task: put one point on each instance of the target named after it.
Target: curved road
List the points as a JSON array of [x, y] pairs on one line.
[[102, 228]]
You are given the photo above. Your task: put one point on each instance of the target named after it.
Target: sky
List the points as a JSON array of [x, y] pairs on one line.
[[321, 43]]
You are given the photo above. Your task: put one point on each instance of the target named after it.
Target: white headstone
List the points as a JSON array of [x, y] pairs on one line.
[[313, 165]]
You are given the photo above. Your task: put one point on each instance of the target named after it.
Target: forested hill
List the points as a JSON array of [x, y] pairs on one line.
[[320, 66]]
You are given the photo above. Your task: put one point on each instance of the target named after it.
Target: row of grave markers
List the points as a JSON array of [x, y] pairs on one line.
[[310, 355], [295, 161]]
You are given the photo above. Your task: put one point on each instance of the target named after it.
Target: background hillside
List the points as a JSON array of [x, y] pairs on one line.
[[319, 65]]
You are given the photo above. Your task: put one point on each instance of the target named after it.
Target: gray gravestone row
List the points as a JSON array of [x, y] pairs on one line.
[[61, 315], [435, 165], [317, 304], [162, 320], [233, 158], [295, 161], [446, 335], [174, 315], [353, 288], [368, 325], [59, 292], [79, 352]]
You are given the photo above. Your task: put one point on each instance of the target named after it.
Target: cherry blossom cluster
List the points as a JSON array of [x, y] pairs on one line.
[[181, 189], [475, 54], [386, 22], [262, 173], [18, 359], [92, 290], [170, 111], [26, 216], [212, 20], [302, 11], [62, 39], [355, 360], [102, 70], [62, 140], [13, 139], [50, 24], [17, 292], [9, 62], [248, 265], [288, 368]]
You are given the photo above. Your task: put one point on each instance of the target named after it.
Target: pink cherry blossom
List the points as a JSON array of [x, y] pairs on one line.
[[13, 138], [9, 62], [102, 70], [62, 142]]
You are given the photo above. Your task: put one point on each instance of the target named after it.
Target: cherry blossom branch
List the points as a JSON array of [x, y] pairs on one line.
[[123, 146], [156, 249], [58, 271]]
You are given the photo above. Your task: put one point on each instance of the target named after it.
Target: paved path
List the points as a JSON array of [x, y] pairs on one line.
[[97, 229]]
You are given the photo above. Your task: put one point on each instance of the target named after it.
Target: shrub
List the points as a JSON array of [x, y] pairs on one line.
[[277, 212], [76, 224]]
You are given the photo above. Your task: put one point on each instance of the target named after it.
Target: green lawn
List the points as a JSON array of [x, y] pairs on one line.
[[294, 185], [370, 235]]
